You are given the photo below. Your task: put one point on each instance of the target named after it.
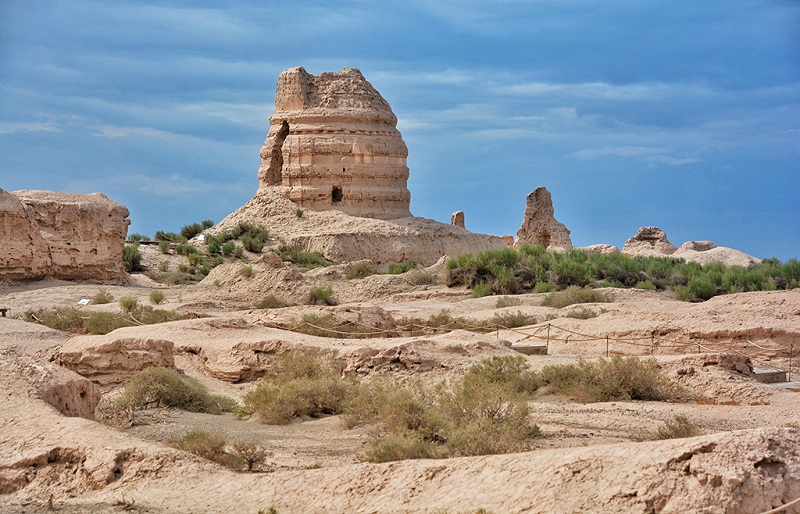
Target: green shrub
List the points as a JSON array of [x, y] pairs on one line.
[[207, 224], [507, 301], [131, 258], [156, 297], [645, 285], [137, 238], [360, 269], [160, 235], [252, 244], [271, 302], [544, 287], [514, 320], [485, 412], [298, 385], [616, 379], [481, 289], [573, 295], [102, 297], [702, 287], [321, 296], [128, 303], [207, 445], [103, 323], [510, 371], [247, 271], [164, 387], [298, 212], [185, 249], [297, 255], [582, 314], [163, 246], [163, 266], [402, 267], [228, 248], [252, 455], [189, 231], [678, 427]]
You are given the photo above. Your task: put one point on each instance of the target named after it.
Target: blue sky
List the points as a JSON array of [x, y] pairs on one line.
[[684, 114]]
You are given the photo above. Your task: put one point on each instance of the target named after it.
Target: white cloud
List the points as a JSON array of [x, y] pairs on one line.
[[28, 126], [660, 155]]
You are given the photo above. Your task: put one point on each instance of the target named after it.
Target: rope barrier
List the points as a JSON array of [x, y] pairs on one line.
[[784, 507], [534, 332]]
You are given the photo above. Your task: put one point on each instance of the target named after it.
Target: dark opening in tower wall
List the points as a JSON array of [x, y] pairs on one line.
[[274, 173], [336, 194]]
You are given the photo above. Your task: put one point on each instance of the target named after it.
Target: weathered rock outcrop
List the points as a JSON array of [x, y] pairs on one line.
[[706, 251], [457, 219], [24, 253], [333, 143], [539, 227], [67, 392], [649, 242], [111, 360], [652, 242], [600, 248], [60, 235]]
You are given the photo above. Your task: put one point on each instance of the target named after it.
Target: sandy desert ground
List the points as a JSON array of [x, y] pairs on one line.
[[587, 459]]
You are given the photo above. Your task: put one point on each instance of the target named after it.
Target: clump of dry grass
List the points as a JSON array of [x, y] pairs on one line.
[[164, 387], [678, 427], [617, 379], [298, 385]]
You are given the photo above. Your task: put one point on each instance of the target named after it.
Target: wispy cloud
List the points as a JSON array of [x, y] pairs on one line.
[[28, 126], [648, 154]]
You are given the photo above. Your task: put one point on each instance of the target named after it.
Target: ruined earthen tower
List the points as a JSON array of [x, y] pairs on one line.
[[333, 143]]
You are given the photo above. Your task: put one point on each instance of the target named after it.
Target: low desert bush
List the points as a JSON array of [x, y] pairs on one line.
[[481, 289], [573, 295], [137, 238], [401, 267], [360, 269], [163, 266], [544, 287], [253, 456], [128, 303], [645, 285], [297, 255], [582, 314], [485, 412], [298, 212], [247, 271], [104, 322], [298, 385], [617, 379], [513, 320], [156, 297], [132, 258], [102, 296], [164, 387], [321, 296], [678, 427], [210, 446], [163, 246], [507, 301], [271, 302]]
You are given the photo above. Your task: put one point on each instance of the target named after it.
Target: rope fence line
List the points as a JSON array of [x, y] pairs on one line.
[[538, 332]]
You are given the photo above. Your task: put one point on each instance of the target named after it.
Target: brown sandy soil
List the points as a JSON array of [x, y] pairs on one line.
[[229, 349]]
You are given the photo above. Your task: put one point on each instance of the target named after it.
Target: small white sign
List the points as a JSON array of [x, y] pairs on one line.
[[84, 301]]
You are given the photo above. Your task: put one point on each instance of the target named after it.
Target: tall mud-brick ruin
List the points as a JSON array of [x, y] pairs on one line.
[[333, 143]]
